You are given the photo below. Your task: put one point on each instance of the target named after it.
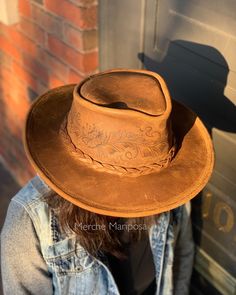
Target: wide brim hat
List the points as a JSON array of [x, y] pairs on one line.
[[95, 144]]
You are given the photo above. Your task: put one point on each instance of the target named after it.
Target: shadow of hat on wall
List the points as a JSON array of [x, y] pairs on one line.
[[196, 75]]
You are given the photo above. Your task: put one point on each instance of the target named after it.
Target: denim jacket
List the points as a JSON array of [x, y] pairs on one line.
[[75, 272]]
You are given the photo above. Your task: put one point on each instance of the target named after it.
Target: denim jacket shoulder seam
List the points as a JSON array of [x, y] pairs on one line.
[[26, 208], [31, 202], [37, 194], [21, 203]]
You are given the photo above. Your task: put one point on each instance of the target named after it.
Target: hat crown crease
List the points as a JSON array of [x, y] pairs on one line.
[[123, 90]]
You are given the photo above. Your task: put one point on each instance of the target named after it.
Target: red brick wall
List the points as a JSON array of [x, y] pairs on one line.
[[54, 43]]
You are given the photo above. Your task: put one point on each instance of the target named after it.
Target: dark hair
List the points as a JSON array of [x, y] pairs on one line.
[[105, 238]]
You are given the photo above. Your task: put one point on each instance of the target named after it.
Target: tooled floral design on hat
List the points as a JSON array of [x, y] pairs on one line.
[[125, 145], [129, 145]]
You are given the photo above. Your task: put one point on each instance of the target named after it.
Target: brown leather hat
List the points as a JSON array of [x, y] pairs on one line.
[[116, 144]]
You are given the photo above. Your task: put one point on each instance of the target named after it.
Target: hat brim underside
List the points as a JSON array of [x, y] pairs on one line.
[[112, 194]]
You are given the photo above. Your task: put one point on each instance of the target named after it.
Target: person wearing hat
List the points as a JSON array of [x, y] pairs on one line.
[[117, 164]]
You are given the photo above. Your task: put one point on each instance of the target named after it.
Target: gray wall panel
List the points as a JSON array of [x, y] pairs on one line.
[[120, 24], [192, 44]]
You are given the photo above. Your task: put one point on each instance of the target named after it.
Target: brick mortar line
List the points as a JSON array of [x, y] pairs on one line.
[[46, 10], [22, 51], [83, 6], [50, 71]]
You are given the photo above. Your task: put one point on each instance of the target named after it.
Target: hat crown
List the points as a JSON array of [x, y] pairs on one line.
[[121, 119], [125, 90]]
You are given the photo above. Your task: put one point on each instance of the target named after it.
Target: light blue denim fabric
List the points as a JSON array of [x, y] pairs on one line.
[[76, 272]]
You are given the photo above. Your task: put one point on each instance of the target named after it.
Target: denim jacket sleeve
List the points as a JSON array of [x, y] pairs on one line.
[[184, 253], [23, 268]]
